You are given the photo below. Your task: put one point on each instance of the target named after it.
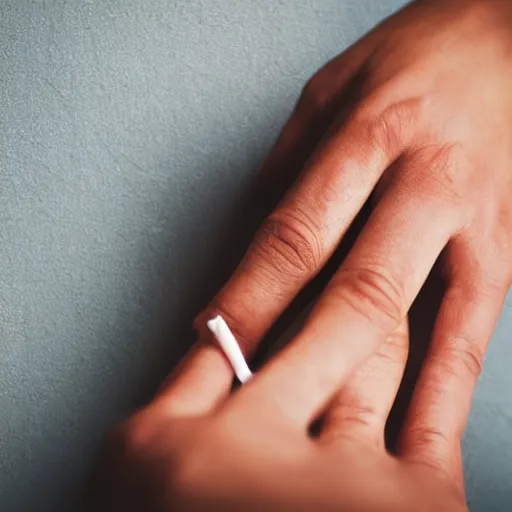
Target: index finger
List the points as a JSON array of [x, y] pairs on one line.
[[299, 237]]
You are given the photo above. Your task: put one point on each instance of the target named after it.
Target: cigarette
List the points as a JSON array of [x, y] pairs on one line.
[[230, 347]]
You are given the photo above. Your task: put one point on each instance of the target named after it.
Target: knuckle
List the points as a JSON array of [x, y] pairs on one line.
[[426, 438], [372, 294], [387, 129], [434, 173], [461, 355], [345, 422], [447, 159], [383, 131], [290, 244], [341, 414], [427, 446], [314, 94]]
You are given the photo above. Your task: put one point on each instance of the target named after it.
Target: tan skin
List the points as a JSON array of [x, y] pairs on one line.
[[429, 127]]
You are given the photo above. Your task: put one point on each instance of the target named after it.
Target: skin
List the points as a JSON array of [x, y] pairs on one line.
[[419, 113]]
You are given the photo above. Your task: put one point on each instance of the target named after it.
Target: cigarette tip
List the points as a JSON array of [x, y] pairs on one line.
[[213, 323]]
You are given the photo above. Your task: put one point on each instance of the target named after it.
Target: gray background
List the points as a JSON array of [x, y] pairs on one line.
[[128, 131]]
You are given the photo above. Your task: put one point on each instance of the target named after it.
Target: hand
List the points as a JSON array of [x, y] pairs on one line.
[[253, 453], [419, 112]]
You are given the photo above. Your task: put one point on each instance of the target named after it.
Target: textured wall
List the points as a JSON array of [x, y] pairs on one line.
[[120, 122]]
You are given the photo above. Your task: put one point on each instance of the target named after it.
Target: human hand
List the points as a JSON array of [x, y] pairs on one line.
[[420, 112], [421, 109], [252, 452]]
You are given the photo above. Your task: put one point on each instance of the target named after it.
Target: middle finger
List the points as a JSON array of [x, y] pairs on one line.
[[367, 298]]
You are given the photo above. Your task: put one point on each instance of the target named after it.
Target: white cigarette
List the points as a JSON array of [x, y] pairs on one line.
[[230, 347]]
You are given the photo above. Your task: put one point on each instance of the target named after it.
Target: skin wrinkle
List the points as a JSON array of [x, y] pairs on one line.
[[462, 349], [287, 250], [366, 286], [432, 173], [294, 216]]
